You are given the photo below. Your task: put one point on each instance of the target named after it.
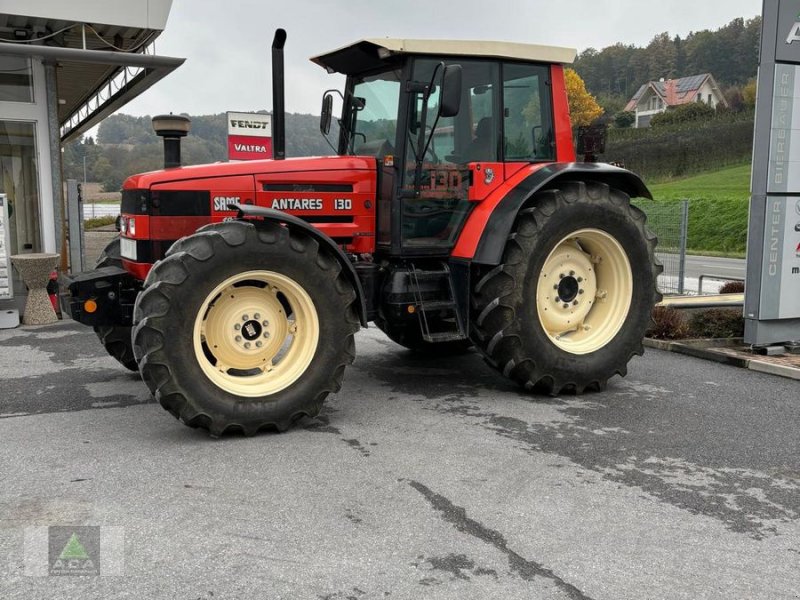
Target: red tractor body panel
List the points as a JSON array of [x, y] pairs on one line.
[[335, 194]]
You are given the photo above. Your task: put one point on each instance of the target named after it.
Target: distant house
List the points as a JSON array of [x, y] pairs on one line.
[[656, 96]]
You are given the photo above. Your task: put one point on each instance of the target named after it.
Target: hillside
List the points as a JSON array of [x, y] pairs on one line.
[[126, 144], [730, 54]]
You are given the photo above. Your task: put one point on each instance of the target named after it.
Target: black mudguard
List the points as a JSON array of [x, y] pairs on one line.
[[497, 229]]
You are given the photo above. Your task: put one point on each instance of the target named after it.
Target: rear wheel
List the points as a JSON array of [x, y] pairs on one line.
[[115, 339], [245, 328], [570, 303]]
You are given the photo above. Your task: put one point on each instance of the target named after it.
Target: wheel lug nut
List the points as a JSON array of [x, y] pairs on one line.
[[555, 287], [238, 338], [266, 335], [256, 316], [572, 273], [237, 327], [558, 299], [580, 279], [561, 276], [574, 303], [566, 305], [259, 344], [245, 318], [247, 345], [580, 291], [265, 323]]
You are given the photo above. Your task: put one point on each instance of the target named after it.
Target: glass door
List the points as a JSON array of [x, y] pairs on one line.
[[19, 181]]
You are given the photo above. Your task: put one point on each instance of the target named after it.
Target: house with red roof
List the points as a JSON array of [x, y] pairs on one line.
[[656, 97]]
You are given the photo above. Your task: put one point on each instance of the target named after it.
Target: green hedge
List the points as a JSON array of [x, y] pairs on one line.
[[683, 149]]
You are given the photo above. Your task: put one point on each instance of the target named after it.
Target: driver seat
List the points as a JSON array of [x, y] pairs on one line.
[[480, 149]]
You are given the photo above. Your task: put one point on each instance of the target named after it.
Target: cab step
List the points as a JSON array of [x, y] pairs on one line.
[[449, 326]]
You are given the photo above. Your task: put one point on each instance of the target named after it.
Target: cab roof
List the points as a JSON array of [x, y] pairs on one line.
[[369, 54]]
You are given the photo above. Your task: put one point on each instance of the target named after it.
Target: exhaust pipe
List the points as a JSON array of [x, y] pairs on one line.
[[172, 128], [278, 119]]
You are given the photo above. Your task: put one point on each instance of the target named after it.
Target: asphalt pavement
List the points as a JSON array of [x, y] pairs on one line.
[[423, 478]]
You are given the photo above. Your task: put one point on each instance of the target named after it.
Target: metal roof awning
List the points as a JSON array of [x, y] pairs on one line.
[[93, 84]]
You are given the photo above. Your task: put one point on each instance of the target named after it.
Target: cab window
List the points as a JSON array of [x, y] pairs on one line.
[[528, 123], [436, 216]]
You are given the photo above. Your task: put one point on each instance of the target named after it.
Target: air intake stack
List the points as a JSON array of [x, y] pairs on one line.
[[172, 128], [278, 120]]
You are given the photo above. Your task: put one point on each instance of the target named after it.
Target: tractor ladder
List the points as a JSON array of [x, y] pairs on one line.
[[435, 304]]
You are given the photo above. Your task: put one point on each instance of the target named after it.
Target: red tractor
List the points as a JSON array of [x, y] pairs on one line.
[[453, 215]]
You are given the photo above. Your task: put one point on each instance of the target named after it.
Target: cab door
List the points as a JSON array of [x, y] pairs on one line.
[[461, 163]]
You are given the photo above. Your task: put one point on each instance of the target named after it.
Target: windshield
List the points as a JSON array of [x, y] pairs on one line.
[[372, 125]]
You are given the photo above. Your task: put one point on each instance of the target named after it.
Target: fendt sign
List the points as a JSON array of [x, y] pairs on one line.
[[772, 293], [249, 136]]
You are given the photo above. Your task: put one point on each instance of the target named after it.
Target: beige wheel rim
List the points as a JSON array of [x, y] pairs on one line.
[[584, 291], [256, 333]]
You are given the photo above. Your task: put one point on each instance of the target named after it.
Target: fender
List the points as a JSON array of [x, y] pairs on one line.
[[499, 224], [261, 213]]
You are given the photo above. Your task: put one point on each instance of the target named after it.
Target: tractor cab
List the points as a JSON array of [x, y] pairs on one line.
[[449, 123]]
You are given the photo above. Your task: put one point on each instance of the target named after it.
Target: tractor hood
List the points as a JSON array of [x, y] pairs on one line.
[[255, 167]]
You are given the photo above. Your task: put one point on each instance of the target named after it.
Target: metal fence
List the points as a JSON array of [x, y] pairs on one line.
[[92, 210], [670, 222]]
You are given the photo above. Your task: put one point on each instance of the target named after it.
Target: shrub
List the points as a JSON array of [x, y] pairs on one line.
[[732, 287], [667, 324], [682, 149], [98, 222], [717, 323], [624, 119], [685, 113]]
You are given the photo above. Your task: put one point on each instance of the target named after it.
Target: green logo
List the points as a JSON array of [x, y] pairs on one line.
[[74, 550]]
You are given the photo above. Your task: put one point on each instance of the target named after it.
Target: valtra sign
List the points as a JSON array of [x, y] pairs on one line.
[[249, 136]]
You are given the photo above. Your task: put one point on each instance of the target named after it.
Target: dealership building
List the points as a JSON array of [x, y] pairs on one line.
[[64, 66]]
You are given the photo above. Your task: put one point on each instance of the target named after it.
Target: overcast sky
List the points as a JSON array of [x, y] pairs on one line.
[[226, 44]]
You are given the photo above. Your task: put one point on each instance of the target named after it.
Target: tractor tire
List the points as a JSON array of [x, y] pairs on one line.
[[569, 305], [116, 340], [409, 335], [245, 328]]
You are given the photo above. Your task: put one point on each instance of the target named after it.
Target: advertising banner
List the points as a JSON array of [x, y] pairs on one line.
[[772, 290], [249, 136]]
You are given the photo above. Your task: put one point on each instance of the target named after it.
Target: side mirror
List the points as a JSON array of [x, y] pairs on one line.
[[325, 118], [451, 91]]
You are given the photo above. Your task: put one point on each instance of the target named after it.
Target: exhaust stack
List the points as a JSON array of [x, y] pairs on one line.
[[172, 128], [278, 120]]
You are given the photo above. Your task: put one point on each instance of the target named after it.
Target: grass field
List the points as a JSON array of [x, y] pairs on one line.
[[718, 206]]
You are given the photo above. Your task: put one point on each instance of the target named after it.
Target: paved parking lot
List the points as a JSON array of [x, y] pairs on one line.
[[423, 478]]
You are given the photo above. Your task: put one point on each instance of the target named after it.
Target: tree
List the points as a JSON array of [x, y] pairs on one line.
[[749, 93], [624, 118], [583, 108]]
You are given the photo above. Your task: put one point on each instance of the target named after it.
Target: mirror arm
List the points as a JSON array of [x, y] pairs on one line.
[[423, 141]]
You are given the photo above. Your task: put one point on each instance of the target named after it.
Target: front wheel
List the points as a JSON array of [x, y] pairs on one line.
[[570, 303], [243, 327]]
